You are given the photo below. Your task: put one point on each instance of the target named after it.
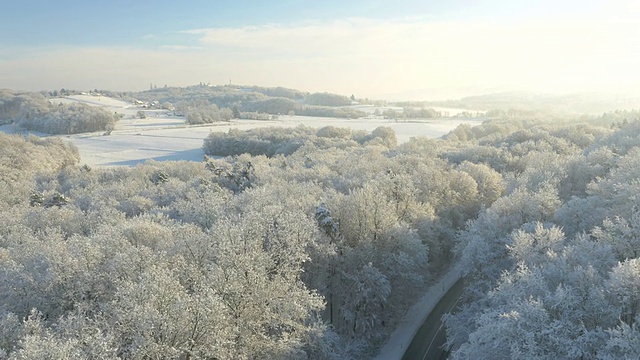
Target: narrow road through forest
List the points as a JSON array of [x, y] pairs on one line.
[[406, 330], [427, 344]]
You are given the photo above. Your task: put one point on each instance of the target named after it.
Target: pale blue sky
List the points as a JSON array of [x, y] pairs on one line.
[[372, 48], [117, 22]]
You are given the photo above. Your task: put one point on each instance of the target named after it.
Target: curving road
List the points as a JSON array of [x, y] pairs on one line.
[[396, 346], [428, 341]]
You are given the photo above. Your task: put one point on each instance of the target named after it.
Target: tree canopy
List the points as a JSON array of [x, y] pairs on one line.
[[304, 243]]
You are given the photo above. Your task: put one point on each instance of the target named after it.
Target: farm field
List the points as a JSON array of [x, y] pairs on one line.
[[162, 136]]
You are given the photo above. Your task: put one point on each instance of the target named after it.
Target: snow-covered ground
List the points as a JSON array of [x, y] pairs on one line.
[[163, 136], [102, 101]]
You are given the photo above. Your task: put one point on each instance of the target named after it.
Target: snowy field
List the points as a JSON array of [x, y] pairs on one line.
[[162, 136]]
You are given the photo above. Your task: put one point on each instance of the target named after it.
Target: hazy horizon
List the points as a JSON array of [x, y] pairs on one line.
[[392, 50]]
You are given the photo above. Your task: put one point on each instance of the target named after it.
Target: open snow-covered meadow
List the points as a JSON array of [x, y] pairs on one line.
[[164, 136]]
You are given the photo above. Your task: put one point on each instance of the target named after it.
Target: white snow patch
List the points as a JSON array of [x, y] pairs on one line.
[[96, 100]]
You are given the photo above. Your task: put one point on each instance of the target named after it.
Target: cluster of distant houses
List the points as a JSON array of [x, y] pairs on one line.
[[147, 105]]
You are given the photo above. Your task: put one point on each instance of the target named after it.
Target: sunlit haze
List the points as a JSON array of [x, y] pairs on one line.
[[377, 49]]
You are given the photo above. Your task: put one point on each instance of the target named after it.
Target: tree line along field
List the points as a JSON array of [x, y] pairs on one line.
[[313, 243], [72, 112]]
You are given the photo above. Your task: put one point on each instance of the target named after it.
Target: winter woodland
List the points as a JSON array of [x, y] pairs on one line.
[[311, 243]]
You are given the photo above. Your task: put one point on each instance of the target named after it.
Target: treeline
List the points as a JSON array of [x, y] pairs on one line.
[[121, 95], [288, 107], [67, 119], [327, 99], [324, 111], [285, 141], [203, 113], [409, 113], [420, 113], [33, 111]]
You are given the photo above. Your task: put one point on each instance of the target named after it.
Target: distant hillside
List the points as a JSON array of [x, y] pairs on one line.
[[571, 104], [205, 103], [277, 100]]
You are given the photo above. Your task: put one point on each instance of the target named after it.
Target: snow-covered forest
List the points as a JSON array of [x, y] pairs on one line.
[[313, 243], [314, 254], [552, 265]]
